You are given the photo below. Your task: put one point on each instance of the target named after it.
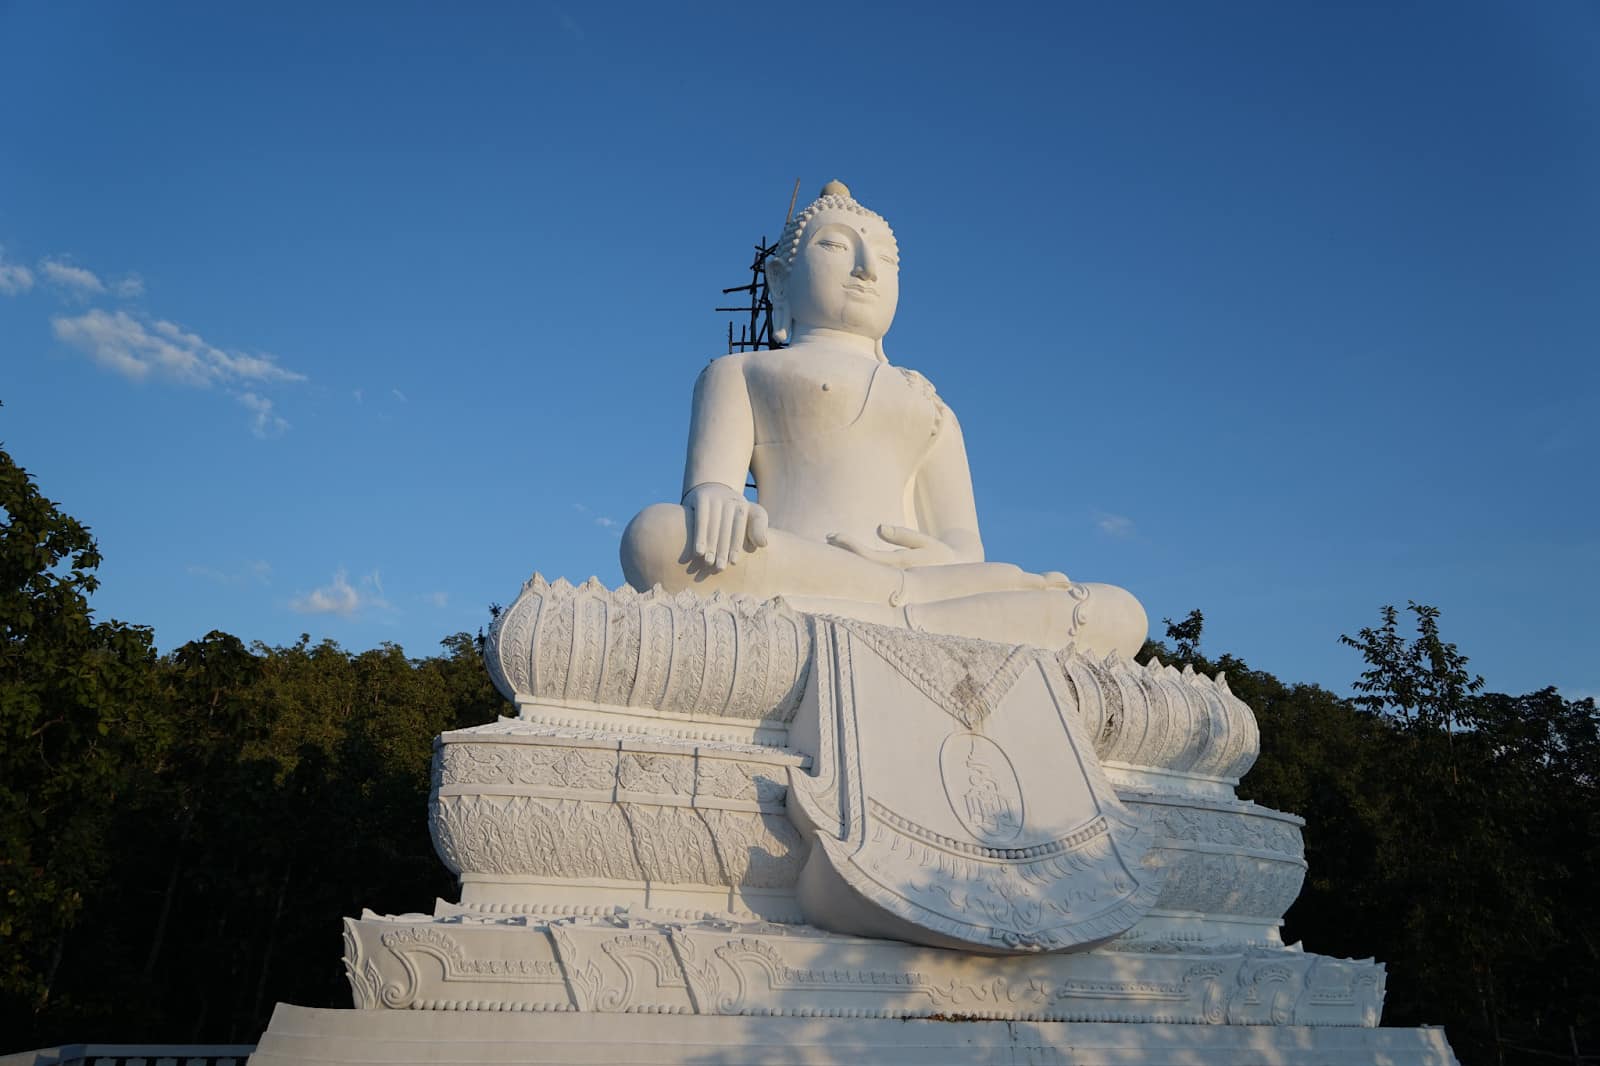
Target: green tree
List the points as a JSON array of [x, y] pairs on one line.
[[69, 686], [1423, 682], [1185, 635], [1476, 852]]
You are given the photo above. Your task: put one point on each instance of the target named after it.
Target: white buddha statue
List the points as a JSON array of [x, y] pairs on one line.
[[865, 506]]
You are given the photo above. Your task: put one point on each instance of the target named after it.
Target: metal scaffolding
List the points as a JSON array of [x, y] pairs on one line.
[[756, 333]]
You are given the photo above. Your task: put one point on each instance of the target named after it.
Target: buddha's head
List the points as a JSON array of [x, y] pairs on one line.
[[836, 267]]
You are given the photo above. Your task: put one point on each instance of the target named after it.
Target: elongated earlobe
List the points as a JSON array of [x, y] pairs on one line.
[[778, 292]]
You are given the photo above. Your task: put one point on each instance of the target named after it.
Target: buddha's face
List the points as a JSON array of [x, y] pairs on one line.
[[845, 276]]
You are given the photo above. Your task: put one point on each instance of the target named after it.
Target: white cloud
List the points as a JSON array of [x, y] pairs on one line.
[[438, 599], [339, 598], [258, 570], [1113, 525], [124, 343], [601, 520], [79, 282], [398, 395], [375, 580], [74, 279], [140, 347], [265, 424], [14, 277], [359, 395], [342, 598]]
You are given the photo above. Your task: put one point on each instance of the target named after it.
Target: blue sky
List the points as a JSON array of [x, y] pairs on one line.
[[344, 319]]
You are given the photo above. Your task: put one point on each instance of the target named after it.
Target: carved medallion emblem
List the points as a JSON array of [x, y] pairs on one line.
[[982, 787]]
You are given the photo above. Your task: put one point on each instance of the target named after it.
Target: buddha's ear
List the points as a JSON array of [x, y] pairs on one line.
[[778, 292], [777, 269]]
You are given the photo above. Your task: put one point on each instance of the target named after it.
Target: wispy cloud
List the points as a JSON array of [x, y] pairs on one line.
[[568, 23], [384, 401], [14, 277], [67, 277], [1113, 525], [256, 570], [141, 347], [339, 598], [437, 599], [137, 348], [601, 520], [342, 598], [265, 423], [74, 280]]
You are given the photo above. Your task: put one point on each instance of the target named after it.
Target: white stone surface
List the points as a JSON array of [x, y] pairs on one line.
[[733, 668], [538, 819], [621, 964], [585, 807], [864, 503], [954, 800], [728, 667], [308, 1037]]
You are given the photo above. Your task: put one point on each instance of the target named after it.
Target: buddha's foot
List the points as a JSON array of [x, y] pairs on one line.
[[929, 584], [1096, 618]]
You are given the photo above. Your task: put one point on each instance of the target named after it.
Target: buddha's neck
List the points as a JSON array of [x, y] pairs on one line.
[[838, 340]]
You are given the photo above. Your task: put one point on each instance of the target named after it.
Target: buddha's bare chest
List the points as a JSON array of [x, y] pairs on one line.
[[797, 398]]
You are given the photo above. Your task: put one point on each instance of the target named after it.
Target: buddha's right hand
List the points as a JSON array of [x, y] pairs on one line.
[[725, 524]]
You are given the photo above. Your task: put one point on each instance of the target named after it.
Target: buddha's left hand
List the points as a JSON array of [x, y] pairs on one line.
[[916, 547]]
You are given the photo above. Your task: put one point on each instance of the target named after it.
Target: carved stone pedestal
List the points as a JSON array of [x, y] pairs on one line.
[[794, 838], [658, 737]]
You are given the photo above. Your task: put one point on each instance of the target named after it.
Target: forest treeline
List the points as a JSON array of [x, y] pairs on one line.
[[180, 834]]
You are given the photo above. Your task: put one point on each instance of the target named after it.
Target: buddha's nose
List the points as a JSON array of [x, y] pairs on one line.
[[864, 271]]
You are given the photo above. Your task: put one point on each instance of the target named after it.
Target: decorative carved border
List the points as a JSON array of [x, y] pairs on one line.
[[630, 966]]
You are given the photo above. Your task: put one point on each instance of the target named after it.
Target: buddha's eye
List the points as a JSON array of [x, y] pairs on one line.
[[891, 260], [830, 245]]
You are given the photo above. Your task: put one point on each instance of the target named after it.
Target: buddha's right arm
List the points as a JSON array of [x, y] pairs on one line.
[[722, 433], [722, 439]]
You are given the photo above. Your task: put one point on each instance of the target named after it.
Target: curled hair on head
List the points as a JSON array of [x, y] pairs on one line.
[[835, 197]]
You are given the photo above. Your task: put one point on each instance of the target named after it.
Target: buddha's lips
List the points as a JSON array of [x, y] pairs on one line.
[[868, 290]]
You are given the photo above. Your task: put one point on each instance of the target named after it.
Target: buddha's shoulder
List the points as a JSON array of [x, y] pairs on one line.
[[918, 380], [766, 361], [760, 371], [725, 366]]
